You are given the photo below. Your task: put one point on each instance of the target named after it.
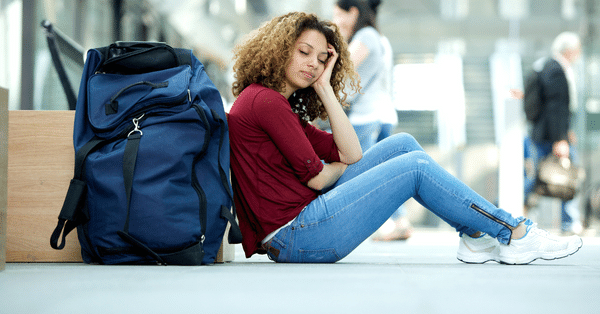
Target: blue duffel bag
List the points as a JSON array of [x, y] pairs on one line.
[[151, 182]]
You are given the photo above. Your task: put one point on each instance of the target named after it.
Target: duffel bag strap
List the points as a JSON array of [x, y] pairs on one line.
[[129, 160], [140, 246], [235, 233], [72, 213], [190, 256]]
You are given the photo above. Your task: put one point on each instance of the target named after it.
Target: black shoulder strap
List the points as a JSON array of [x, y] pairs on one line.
[[188, 256], [72, 213], [129, 160], [235, 234]]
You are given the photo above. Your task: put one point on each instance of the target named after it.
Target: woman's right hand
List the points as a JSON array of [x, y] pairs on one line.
[[328, 176], [561, 149], [343, 132]]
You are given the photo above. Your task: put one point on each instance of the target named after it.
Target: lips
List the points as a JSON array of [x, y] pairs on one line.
[[308, 75]]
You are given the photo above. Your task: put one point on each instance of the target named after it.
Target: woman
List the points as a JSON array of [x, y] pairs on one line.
[[357, 22], [296, 208], [373, 114]]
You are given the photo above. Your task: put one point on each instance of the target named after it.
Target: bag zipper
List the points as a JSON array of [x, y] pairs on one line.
[[195, 183]]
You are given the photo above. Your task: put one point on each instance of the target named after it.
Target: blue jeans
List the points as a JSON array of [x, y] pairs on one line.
[[387, 129], [369, 192], [368, 135], [538, 151]]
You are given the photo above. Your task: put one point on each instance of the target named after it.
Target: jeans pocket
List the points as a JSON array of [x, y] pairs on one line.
[[319, 256]]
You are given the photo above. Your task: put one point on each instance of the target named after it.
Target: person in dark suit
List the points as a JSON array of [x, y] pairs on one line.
[[551, 133]]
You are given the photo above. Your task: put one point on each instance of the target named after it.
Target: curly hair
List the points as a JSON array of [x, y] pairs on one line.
[[264, 55]]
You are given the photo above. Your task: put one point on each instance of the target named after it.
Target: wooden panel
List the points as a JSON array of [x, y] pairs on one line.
[[40, 166], [226, 251], [3, 172]]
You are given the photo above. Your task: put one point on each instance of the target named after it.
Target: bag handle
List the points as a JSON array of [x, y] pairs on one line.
[[112, 106], [132, 57]]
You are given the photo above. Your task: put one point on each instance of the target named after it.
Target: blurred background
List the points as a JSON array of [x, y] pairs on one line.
[[455, 61]]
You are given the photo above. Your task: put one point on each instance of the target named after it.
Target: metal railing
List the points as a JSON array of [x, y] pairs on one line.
[[61, 45]]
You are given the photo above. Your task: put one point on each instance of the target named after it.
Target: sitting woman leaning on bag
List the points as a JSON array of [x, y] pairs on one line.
[[296, 208]]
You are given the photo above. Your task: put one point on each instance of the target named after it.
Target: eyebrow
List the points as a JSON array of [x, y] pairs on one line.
[[321, 53]]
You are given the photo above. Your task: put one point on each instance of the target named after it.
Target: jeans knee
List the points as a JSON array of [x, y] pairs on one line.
[[407, 140]]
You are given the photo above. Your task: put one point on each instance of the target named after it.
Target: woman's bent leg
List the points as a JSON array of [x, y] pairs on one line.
[[389, 148], [337, 222]]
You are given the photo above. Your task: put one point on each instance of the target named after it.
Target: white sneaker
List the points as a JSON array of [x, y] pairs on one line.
[[536, 244], [478, 250]]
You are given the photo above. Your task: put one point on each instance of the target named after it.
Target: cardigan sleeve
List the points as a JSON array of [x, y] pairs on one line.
[[323, 143], [285, 130]]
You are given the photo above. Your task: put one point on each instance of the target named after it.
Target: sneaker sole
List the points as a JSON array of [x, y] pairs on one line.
[[467, 255], [476, 261], [476, 258], [528, 258]]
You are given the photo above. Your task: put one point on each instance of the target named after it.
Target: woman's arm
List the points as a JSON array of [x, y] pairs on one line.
[[358, 52], [328, 176], [343, 132]]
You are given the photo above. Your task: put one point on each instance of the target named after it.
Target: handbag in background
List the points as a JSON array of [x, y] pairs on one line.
[[558, 177]]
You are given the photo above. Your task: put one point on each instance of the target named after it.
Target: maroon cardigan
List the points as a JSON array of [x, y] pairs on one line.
[[273, 155]]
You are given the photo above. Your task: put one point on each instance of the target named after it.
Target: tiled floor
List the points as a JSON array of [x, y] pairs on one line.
[[420, 275]]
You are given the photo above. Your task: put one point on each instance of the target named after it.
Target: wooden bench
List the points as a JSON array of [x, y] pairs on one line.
[[40, 166], [3, 170]]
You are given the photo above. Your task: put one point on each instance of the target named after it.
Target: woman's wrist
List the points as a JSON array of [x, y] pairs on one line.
[[327, 97], [324, 91]]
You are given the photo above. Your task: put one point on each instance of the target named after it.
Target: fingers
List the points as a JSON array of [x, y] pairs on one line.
[[333, 55], [325, 77]]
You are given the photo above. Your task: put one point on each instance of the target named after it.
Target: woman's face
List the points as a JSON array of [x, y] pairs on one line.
[[307, 62], [345, 20]]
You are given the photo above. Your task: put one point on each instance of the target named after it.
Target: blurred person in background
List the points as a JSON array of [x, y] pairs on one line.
[[551, 133], [372, 112]]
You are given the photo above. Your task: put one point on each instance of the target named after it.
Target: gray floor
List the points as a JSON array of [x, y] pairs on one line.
[[420, 275]]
